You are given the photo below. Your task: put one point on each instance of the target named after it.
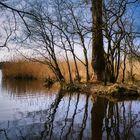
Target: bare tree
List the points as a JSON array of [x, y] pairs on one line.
[[58, 27], [116, 29]]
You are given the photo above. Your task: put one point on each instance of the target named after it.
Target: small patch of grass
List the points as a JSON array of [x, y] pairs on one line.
[[71, 87], [49, 82]]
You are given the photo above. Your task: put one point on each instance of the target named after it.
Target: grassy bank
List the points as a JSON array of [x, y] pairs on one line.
[[20, 69]]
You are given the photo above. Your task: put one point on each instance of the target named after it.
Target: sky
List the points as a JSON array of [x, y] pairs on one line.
[[6, 54]]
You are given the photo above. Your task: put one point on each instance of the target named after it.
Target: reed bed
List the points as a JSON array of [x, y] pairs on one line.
[[23, 69], [20, 69], [132, 72], [81, 69]]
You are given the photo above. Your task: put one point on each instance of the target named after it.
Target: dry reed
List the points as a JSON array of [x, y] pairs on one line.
[[135, 68], [21, 69]]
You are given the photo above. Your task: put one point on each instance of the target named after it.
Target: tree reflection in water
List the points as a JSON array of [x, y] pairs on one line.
[[97, 116], [75, 116]]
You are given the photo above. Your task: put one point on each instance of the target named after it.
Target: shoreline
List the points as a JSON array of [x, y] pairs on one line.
[[117, 90]]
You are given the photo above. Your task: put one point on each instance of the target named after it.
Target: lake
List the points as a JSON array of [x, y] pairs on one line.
[[29, 111]]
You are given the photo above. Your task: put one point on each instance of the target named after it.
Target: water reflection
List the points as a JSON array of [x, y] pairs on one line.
[[24, 87], [98, 113], [37, 114], [122, 121]]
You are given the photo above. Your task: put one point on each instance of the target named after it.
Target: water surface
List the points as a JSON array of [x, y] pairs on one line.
[[29, 111]]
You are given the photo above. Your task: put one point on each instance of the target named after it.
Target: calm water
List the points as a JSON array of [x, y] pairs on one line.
[[28, 111]]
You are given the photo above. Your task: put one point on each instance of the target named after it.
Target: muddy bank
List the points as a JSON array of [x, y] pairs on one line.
[[98, 89], [116, 90], [113, 90]]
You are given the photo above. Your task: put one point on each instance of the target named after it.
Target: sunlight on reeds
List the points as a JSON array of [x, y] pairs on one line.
[[81, 69], [21, 69], [134, 68]]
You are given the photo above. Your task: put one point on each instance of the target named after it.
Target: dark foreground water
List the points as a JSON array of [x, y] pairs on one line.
[[28, 111]]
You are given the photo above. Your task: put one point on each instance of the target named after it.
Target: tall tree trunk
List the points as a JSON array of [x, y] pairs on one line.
[[98, 59]]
